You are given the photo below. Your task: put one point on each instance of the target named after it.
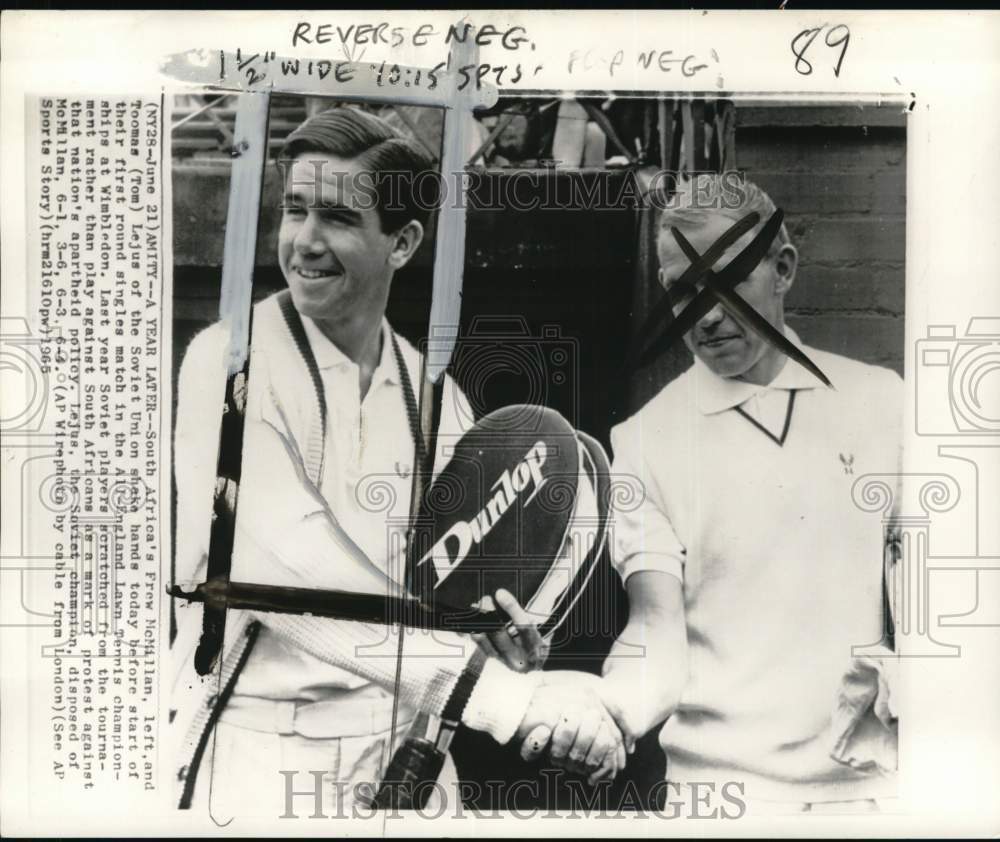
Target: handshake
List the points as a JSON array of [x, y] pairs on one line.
[[579, 718]]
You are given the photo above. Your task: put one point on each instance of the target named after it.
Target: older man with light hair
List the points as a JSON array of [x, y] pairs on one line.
[[750, 573]]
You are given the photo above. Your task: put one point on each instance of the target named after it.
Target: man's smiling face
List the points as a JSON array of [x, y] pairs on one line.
[[726, 346], [331, 247]]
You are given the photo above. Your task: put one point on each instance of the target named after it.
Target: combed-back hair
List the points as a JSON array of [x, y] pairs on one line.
[[405, 181], [711, 194]]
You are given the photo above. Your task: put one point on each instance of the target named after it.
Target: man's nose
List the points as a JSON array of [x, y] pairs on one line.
[[712, 317], [307, 238]]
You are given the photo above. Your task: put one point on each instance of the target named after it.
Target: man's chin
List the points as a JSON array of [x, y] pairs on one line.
[[311, 306], [724, 365]]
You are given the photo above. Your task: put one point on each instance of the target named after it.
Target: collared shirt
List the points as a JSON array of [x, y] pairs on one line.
[[313, 519], [767, 404], [369, 444], [366, 481], [780, 563], [367, 476]]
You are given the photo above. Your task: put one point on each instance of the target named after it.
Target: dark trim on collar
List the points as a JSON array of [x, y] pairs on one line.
[[763, 429]]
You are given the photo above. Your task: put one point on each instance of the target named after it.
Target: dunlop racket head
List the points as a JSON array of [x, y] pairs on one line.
[[586, 537], [499, 511]]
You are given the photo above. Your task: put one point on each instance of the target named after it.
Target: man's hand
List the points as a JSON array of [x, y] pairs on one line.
[[568, 714], [518, 644]]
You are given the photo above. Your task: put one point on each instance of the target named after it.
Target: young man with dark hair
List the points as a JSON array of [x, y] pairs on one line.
[[329, 436]]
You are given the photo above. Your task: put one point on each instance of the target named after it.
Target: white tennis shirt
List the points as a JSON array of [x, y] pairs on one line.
[[367, 482], [781, 571], [291, 533]]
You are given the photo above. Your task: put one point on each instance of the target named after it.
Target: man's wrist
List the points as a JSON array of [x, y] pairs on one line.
[[500, 700]]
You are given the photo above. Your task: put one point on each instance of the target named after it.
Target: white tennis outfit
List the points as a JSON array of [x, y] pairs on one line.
[[749, 504], [313, 693]]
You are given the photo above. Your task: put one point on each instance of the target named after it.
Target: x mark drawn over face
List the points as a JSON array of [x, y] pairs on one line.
[[719, 287]]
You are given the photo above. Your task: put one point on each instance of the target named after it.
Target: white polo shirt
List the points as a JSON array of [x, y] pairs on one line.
[[366, 485], [748, 501], [317, 509]]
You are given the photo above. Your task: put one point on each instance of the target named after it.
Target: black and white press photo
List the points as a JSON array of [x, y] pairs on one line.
[[698, 654], [532, 423]]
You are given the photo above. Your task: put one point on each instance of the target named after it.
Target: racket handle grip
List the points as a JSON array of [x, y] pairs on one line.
[[417, 761]]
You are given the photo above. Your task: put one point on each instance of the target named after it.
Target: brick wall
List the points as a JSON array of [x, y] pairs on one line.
[[840, 176], [838, 172]]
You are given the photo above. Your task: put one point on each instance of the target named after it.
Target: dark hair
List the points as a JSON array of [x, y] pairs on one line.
[[405, 181]]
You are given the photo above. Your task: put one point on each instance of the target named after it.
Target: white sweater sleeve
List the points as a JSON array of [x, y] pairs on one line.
[[643, 537]]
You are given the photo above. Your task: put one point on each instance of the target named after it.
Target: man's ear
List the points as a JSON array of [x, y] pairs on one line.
[[659, 277], [406, 241], [786, 261]]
